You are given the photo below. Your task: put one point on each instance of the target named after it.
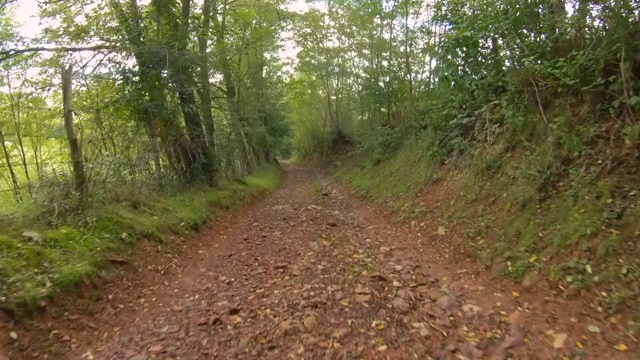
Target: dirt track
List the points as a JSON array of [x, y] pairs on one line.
[[312, 273]]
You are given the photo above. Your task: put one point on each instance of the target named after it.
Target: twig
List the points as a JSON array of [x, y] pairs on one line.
[[166, 267], [433, 326], [535, 87]]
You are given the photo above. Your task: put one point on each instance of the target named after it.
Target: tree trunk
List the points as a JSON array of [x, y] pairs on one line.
[[230, 93], [205, 85], [15, 114], [155, 147], [202, 165], [12, 173], [80, 180]]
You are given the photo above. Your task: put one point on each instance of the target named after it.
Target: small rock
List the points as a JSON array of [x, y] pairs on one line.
[[446, 303], [310, 323], [156, 349], [530, 280], [379, 277], [434, 294], [424, 332], [451, 348], [400, 305], [32, 235], [397, 284], [471, 309], [441, 230], [13, 335], [362, 290], [332, 223], [384, 249], [362, 298], [281, 266]]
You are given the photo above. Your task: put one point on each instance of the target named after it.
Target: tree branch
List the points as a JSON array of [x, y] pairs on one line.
[[8, 54]]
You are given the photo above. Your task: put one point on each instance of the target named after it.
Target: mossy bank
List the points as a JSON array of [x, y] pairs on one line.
[[574, 228], [39, 260]]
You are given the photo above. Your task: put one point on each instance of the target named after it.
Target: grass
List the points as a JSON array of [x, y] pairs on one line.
[[66, 255], [395, 180]]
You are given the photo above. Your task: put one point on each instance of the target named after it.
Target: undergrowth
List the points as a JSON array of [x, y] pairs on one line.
[[56, 257], [519, 207]]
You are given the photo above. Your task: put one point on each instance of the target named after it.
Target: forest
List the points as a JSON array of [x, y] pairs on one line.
[[125, 119]]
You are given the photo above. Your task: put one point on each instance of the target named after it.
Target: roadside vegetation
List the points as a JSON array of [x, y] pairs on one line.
[[513, 125]]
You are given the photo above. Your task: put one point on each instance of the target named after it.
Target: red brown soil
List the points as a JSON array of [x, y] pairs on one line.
[[308, 274]]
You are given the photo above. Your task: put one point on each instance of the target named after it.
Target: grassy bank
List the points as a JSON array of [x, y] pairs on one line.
[[52, 258], [522, 213]]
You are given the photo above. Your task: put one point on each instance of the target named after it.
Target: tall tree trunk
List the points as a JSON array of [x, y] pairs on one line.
[[205, 85], [407, 60], [230, 88], [15, 114], [155, 147], [202, 165], [12, 173], [80, 180]]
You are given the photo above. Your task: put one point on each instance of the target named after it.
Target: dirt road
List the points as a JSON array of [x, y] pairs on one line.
[[312, 273]]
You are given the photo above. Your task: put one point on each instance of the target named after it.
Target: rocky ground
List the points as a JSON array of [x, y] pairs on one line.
[[310, 272]]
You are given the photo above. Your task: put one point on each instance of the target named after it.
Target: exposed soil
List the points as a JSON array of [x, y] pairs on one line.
[[313, 273]]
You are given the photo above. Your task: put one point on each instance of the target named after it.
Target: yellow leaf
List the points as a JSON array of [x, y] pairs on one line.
[[621, 347], [238, 320], [262, 340], [345, 303], [380, 341], [381, 326], [515, 294], [533, 259], [445, 278], [579, 344]]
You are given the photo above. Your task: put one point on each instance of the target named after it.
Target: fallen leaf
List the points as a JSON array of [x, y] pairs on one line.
[[13, 335], [310, 323], [378, 324], [515, 294], [594, 329], [533, 259], [556, 339], [621, 347]]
